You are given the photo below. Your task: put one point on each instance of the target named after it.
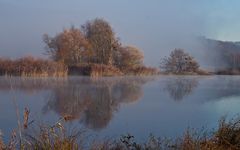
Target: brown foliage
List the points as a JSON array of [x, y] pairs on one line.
[[69, 47], [102, 39], [128, 57], [94, 44]]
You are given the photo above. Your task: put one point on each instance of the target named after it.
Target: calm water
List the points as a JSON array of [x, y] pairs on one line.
[[110, 107]]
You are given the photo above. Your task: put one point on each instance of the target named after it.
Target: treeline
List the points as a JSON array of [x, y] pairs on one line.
[[94, 50], [227, 55]]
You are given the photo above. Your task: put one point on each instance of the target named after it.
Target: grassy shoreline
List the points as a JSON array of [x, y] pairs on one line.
[[32, 67], [35, 67], [225, 137]]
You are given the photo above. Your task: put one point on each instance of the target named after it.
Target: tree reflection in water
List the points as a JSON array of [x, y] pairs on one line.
[[93, 102], [180, 87]]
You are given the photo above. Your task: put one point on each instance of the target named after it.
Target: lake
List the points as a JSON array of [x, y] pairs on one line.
[[113, 106]]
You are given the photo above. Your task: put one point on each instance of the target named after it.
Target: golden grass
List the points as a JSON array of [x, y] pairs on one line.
[[94, 70], [1, 141], [141, 71], [55, 137], [29, 66]]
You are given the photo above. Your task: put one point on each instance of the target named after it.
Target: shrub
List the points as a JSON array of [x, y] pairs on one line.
[[179, 62], [228, 134], [128, 57]]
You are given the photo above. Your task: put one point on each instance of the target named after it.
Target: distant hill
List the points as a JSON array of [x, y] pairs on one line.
[[237, 43], [219, 53], [222, 46]]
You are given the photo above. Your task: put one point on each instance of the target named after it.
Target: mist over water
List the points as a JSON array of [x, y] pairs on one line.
[[111, 107], [156, 27]]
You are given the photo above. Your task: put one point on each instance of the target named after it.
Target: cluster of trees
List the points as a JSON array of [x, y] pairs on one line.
[[94, 49], [223, 55], [94, 43]]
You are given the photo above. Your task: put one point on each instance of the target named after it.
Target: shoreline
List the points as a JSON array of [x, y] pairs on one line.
[[225, 136]]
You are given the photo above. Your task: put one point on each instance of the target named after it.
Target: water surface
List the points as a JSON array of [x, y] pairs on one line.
[[110, 107]]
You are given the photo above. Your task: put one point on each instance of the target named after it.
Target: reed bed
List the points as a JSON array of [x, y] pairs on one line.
[[94, 70], [36, 67], [141, 71], [32, 67]]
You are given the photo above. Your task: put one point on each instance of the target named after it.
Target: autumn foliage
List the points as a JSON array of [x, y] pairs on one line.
[[95, 50], [69, 47], [103, 41], [92, 50]]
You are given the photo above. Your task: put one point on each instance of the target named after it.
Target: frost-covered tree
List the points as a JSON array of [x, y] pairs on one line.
[[179, 62]]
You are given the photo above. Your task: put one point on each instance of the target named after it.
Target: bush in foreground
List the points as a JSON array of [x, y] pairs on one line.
[[55, 137]]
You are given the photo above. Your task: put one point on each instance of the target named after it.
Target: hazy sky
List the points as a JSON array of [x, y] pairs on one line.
[[155, 26]]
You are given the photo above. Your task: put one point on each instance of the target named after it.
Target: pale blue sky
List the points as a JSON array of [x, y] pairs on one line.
[[155, 26]]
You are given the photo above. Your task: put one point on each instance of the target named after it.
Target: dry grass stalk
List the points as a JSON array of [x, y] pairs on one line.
[[1, 141], [25, 118]]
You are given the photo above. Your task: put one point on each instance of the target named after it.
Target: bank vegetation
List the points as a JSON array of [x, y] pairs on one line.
[[56, 137]]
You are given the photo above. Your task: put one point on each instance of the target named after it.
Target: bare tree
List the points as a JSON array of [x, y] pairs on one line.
[[69, 47], [102, 38], [179, 62]]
